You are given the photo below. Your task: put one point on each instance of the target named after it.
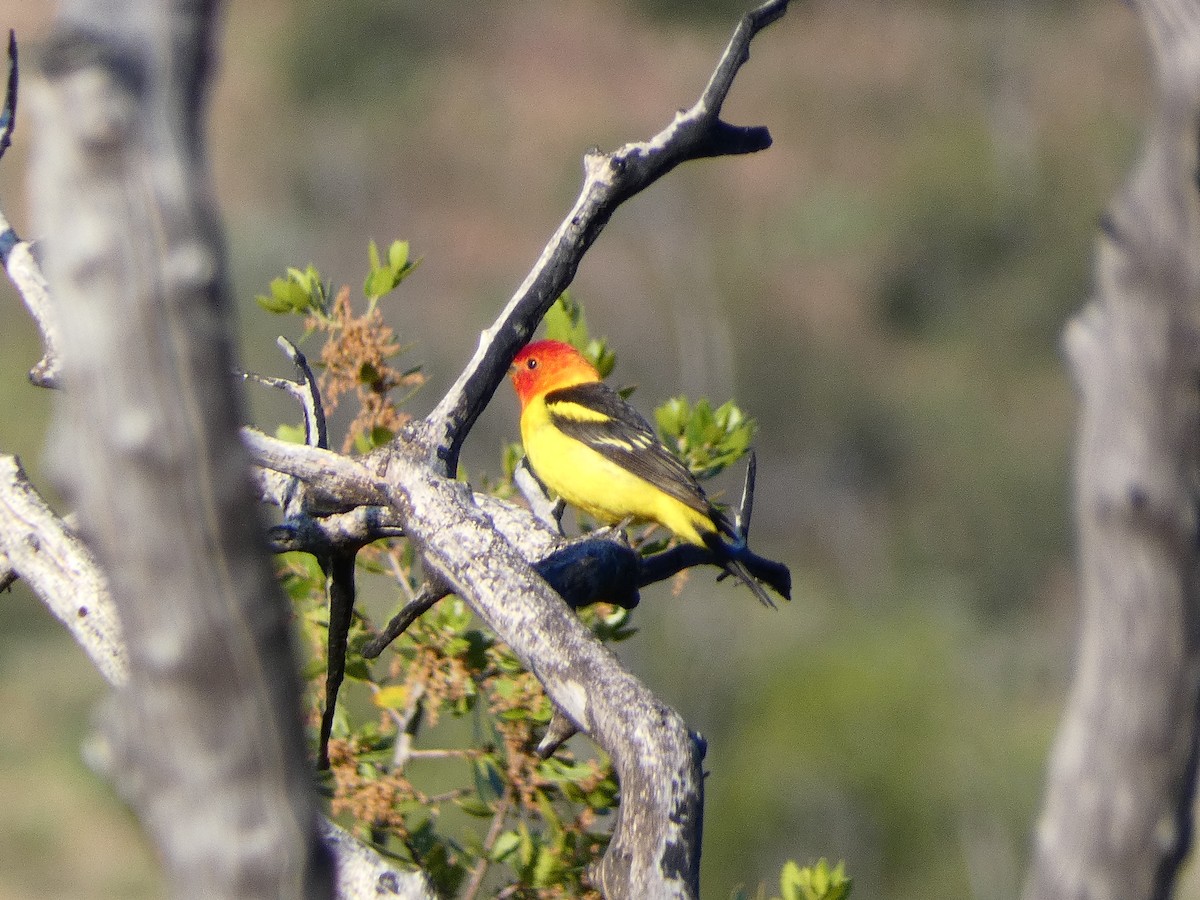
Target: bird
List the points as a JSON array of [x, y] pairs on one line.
[[587, 444]]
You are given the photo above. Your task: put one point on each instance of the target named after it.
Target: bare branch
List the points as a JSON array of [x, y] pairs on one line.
[[60, 570], [655, 847], [26, 275], [337, 531], [581, 573], [363, 874], [8, 118], [547, 511], [338, 567], [17, 255], [336, 482], [609, 180], [315, 432], [305, 392], [560, 730], [429, 595]]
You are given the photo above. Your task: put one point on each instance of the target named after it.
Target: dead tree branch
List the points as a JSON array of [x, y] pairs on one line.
[[61, 571], [1117, 819], [26, 275], [17, 256], [609, 180], [655, 848], [43, 552]]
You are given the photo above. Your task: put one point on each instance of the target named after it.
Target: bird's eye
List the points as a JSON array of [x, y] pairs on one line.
[[531, 364]]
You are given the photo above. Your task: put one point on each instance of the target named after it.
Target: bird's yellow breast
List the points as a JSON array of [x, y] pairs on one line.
[[595, 484]]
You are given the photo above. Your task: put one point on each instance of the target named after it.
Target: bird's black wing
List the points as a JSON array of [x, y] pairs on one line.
[[596, 415]]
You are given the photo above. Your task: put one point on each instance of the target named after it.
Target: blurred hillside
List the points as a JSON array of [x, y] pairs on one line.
[[883, 289]]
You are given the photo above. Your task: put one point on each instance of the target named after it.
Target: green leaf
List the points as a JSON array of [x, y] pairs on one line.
[[671, 416], [293, 434], [489, 784], [565, 321], [398, 255], [549, 868], [300, 291], [706, 440], [476, 655], [473, 806], [815, 882], [383, 276], [601, 357], [394, 696], [312, 669], [378, 283], [273, 304], [291, 292], [505, 845], [549, 816], [505, 688], [526, 847], [357, 668], [376, 437]]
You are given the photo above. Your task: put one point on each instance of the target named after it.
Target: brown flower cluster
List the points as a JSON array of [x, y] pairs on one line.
[[372, 797], [443, 679], [356, 358]]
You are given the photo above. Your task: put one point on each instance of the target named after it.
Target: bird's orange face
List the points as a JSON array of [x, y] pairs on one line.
[[545, 366]]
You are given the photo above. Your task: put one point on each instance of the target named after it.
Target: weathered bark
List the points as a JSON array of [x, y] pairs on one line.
[[37, 547], [655, 847], [1117, 818], [205, 735]]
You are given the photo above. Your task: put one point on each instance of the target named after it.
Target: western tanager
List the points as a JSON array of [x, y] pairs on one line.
[[595, 451]]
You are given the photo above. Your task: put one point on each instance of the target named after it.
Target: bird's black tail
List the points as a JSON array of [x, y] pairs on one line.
[[752, 570]]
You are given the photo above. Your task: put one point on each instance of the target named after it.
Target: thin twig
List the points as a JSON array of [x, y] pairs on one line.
[[315, 432], [27, 277], [339, 579], [469, 753], [398, 572], [407, 723], [413, 610], [292, 496], [547, 511], [8, 118], [497, 826]]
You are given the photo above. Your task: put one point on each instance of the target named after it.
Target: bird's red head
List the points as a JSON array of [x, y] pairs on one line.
[[545, 366]]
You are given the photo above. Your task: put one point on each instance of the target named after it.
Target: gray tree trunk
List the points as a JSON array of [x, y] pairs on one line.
[[1117, 820], [205, 735]]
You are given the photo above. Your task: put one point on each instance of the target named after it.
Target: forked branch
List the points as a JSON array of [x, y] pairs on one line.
[[609, 180]]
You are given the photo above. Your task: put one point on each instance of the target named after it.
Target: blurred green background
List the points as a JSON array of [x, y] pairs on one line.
[[883, 289]]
